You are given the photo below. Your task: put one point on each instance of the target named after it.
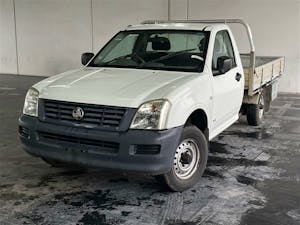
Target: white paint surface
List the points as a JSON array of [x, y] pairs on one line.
[[52, 34]]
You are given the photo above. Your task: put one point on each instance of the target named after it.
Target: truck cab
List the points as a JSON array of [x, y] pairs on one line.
[[148, 101]]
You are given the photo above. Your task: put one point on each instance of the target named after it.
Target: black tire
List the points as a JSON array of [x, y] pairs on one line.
[[55, 163], [170, 179], [254, 116]]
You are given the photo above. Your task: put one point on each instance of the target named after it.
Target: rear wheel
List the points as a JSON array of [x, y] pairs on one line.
[[255, 112], [189, 161]]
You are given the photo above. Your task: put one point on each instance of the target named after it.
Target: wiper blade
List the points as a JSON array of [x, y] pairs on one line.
[[115, 59], [173, 54], [134, 54]]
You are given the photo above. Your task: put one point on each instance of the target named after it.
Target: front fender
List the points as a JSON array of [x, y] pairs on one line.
[[178, 116], [194, 95]]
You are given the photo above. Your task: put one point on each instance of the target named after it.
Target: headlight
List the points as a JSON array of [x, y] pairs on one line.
[[31, 102], [151, 115]]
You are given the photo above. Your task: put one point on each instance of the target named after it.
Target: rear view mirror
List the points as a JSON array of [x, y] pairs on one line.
[[160, 44], [224, 64], [86, 57]]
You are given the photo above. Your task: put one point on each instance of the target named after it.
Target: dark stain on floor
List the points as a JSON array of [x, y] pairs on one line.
[[259, 134], [179, 223], [95, 218], [8, 196], [219, 161], [99, 199], [212, 173], [215, 147], [125, 213], [245, 180], [34, 219], [283, 197]]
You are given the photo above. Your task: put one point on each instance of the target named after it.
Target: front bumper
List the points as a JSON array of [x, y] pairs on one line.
[[132, 150]]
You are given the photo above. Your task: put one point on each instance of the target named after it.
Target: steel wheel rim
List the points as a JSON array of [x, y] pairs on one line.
[[261, 105], [186, 159]]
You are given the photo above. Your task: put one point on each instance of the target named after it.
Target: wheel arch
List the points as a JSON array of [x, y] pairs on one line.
[[180, 116], [199, 119]]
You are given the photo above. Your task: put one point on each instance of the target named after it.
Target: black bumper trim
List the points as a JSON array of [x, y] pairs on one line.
[[125, 158]]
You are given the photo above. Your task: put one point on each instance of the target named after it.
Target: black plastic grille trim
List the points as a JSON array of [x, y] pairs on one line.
[[24, 132], [106, 146], [147, 149], [94, 115]]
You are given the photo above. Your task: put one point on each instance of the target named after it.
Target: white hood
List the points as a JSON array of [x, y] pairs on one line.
[[112, 86]]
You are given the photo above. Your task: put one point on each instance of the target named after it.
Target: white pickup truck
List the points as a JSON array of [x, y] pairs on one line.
[[150, 100]]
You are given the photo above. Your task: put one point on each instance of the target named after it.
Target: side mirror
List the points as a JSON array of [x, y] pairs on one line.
[[224, 64], [86, 57]]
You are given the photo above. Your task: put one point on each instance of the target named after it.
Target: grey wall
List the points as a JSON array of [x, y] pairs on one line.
[[275, 25], [47, 37], [8, 58], [52, 34], [111, 16]]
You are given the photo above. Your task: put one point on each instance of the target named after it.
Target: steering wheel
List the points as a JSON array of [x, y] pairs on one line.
[[136, 56]]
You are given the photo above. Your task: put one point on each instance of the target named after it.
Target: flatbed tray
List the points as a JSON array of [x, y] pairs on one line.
[[267, 69]]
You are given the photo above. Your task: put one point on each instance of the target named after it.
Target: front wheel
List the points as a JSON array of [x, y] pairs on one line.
[[189, 161]]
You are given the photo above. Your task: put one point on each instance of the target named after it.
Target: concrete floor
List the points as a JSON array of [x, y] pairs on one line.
[[252, 178]]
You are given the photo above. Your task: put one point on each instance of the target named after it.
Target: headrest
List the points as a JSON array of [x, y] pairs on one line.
[[160, 43], [218, 45], [202, 45]]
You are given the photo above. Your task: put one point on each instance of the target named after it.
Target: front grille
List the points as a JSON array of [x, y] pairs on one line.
[[147, 149], [24, 132], [103, 146], [94, 115]]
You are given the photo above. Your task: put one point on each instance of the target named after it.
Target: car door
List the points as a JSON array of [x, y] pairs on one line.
[[227, 87]]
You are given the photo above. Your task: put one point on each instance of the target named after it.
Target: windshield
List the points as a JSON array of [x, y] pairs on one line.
[[155, 49]]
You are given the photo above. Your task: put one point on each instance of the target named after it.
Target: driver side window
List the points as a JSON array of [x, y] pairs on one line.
[[222, 48]]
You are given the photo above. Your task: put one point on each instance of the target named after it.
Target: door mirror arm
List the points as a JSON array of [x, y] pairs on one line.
[[86, 57], [224, 64]]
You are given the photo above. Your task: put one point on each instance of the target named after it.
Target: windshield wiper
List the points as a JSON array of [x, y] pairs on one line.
[[115, 59], [134, 54], [170, 55]]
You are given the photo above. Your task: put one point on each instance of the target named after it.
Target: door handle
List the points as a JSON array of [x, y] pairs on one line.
[[238, 76]]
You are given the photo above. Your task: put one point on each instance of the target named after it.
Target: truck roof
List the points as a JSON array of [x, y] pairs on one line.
[[208, 25], [177, 26]]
